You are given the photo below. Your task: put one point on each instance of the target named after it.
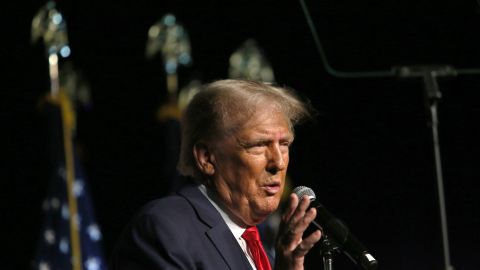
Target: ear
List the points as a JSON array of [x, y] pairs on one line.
[[204, 158]]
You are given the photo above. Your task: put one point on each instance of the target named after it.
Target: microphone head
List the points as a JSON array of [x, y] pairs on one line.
[[301, 191], [339, 235]]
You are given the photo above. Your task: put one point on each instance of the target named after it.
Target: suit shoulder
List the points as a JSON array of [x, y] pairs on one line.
[[171, 208]]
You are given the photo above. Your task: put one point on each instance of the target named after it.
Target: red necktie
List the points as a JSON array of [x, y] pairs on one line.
[[254, 244]]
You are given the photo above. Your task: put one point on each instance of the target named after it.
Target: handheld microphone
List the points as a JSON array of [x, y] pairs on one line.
[[337, 232]]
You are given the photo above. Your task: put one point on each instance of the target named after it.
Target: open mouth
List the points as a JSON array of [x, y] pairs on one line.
[[272, 188]]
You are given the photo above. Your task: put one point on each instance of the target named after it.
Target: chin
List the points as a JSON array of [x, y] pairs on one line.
[[273, 203], [259, 219], [268, 211]]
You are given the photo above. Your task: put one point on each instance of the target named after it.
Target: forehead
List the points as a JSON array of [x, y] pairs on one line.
[[267, 121]]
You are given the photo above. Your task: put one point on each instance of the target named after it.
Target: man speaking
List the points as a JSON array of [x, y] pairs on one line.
[[236, 137]]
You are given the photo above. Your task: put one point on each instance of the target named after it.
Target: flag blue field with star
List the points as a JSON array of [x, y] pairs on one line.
[[55, 250]]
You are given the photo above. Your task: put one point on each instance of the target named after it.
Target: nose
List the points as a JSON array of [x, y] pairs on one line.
[[277, 161]]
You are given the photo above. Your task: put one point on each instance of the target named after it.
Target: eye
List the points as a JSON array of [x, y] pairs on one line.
[[256, 147], [259, 145], [284, 146], [285, 143]]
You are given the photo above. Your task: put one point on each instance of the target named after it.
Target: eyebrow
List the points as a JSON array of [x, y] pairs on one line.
[[247, 142]]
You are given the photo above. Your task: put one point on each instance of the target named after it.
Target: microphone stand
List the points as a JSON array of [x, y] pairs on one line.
[[326, 250], [430, 75]]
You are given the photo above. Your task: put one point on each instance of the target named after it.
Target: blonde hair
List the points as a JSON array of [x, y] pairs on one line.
[[224, 106]]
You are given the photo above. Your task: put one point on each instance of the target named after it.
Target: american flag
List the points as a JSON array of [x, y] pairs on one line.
[[70, 238]]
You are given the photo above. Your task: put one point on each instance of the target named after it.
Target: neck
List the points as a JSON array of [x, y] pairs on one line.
[[213, 194]]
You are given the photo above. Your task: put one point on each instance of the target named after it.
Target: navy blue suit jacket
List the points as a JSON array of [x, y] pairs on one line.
[[182, 231]]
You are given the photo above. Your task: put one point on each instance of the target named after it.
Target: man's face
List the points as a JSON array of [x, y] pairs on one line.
[[250, 166]]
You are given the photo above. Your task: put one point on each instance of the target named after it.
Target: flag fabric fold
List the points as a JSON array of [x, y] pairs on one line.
[[70, 238]]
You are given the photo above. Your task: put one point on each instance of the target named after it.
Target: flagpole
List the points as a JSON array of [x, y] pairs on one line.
[[54, 76], [172, 88], [49, 25], [68, 117]]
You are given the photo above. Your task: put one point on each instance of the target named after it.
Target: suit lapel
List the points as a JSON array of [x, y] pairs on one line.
[[228, 247], [219, 233]]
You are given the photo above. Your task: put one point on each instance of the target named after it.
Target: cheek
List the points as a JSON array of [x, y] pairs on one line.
[[254, 165]]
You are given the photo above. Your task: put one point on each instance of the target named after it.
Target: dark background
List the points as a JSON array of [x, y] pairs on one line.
[[368, 155]]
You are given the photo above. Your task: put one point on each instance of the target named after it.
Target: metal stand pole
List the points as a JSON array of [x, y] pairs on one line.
[[441, 193], [327, 261], [326, 250], [432, 96]]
